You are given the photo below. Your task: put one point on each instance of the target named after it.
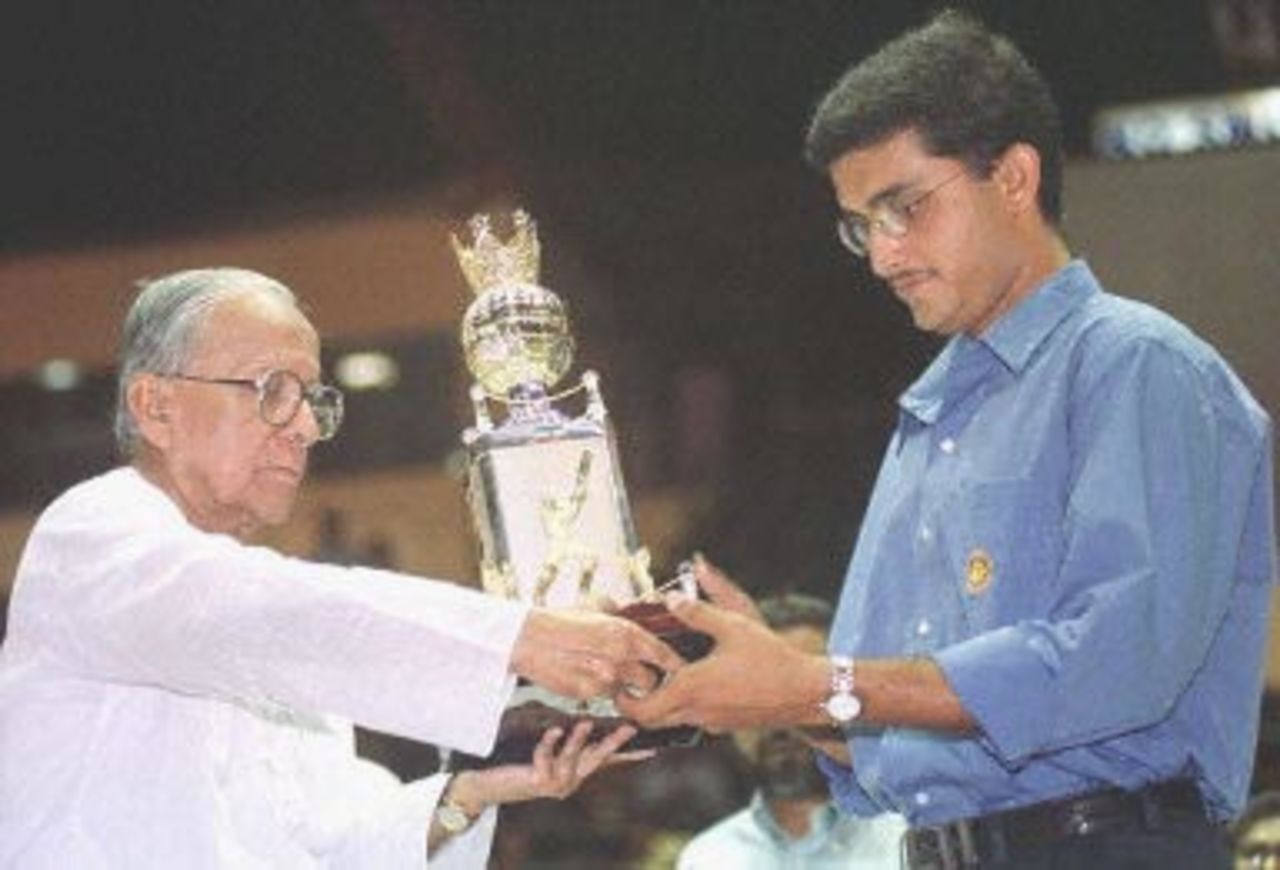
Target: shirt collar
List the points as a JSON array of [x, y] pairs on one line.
[[1013, 339], [821, 820]]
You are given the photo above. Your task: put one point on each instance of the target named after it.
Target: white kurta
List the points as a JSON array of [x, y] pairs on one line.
[[169, 697]]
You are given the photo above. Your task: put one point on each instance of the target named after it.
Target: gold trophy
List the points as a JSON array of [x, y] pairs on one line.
[[545, 489]]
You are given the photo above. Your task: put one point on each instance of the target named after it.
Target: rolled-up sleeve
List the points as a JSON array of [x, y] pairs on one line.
[[847, 792]]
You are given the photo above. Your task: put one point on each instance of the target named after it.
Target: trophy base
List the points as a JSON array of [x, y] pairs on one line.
[[523, 726], [524, 723]]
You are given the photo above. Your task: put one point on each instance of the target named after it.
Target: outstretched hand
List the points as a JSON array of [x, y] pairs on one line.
[[583, 654], [751, 678], [561, 763]]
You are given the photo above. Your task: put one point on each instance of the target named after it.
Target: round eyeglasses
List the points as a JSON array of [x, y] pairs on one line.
[[280, 395], [891, 218]]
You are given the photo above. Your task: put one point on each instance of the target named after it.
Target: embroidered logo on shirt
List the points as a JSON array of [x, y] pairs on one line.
[[979, 572]]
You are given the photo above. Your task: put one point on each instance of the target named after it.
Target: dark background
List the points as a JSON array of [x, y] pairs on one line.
[[126, 117]]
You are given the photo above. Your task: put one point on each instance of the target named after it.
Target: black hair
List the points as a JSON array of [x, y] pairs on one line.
[[967, 91]]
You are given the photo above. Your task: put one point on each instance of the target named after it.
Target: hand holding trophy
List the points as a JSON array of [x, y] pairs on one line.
[[545, 489]]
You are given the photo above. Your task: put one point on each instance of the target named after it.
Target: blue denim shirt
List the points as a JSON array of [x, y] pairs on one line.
[[1074, 519]]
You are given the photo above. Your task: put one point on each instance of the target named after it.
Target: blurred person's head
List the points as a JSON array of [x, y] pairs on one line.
[[1256, 836], [784, 765], [218, 401]]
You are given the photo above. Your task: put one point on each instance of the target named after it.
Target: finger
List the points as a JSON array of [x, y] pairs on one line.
[[544, 752], [598, 676], [644, 647], [638, 679], [616, 740], [567, 768], [658, 709], [700, 616], [589, 674], [629, 757], [723, 591], [595, 754], [578, 738]]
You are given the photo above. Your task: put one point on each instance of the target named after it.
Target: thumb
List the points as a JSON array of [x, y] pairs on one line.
[[723, 591]]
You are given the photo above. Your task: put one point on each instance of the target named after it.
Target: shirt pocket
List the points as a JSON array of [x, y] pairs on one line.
[[1003, 546]]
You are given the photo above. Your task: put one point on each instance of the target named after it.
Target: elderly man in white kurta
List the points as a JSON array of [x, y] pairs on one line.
[[173, 696]]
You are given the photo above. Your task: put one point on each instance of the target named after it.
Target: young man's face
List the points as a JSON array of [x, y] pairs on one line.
[[956, 263], [228, 469]]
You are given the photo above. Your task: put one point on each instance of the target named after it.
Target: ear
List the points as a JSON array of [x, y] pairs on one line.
[[150, 401], [1017, 174]]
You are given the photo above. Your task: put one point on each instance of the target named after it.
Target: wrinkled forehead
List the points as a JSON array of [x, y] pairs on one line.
[[257, 330]]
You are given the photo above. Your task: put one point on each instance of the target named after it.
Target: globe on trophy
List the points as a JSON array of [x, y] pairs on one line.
[[546, 492]]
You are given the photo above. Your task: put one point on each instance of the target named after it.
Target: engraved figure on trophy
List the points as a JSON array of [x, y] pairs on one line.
[[545, 489], [559, 521]]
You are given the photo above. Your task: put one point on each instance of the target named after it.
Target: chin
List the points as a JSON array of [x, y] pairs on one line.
[[274, 509]]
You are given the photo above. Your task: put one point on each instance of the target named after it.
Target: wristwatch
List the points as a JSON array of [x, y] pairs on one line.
[[452, 817], [842, 706]]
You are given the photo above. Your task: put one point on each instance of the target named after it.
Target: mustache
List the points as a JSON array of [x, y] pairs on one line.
[[906, 276]]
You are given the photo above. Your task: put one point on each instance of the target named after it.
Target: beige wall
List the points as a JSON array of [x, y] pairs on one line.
[[362, 274], [1197, 236]]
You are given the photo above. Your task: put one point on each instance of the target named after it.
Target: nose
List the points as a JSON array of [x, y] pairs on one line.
[[303, 428], [884, 253]]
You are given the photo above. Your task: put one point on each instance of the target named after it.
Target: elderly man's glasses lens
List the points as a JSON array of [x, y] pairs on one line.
[[891, 218], [280, 395]]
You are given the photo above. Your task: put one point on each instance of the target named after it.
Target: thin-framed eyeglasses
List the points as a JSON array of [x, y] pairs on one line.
[[280, 395], [891, 218]]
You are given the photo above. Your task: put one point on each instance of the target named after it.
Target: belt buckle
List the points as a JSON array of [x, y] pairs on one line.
[[942, 847]]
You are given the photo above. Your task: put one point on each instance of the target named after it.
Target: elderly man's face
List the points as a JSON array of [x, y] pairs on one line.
[[229, 470]]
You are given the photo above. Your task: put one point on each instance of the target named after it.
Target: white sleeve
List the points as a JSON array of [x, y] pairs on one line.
[[390, 831], [119, 587]]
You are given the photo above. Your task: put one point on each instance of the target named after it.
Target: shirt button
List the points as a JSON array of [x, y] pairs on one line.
[[922, 799], [926, 534], [923, 627], [948, 446]]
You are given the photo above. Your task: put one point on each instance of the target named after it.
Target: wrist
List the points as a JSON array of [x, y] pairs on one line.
[[814, 684], [464, 791]]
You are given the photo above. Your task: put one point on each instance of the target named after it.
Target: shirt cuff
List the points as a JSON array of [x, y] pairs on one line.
[[981, 670], [845, 788]]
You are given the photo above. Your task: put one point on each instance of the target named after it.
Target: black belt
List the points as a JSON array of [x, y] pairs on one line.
[[999, 836]]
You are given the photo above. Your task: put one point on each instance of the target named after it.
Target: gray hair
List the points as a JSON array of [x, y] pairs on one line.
[[161, 328]]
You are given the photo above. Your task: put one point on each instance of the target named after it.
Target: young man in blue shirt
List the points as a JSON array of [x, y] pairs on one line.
[[1049, 645]]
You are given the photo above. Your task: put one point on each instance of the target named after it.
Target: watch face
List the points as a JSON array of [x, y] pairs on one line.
[[843, 708]]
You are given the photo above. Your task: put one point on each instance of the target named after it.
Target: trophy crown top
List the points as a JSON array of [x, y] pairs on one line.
[[490, 262]]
